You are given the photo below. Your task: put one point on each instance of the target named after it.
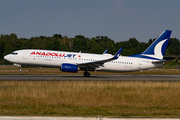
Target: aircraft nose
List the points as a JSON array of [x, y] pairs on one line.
[[7, 57]]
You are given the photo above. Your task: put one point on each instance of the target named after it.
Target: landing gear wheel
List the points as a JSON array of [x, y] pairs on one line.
[[86, 74]]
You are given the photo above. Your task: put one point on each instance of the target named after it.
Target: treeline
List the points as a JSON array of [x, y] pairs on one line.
[[10, 43]]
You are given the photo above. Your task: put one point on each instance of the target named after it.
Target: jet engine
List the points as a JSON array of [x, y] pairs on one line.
[[66, 67]]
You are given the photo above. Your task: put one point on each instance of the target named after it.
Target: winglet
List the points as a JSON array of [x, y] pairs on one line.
[[116, 56], [105, 51]]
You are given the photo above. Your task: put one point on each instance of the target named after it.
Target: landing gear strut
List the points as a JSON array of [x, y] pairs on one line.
[[86, 74]]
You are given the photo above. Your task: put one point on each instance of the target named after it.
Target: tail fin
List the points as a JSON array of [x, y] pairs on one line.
[[157, 49]]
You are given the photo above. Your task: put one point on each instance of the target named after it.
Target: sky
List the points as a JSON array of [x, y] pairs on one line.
[[120, 20]]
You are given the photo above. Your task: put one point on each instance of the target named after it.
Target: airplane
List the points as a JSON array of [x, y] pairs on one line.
[[151, 58]]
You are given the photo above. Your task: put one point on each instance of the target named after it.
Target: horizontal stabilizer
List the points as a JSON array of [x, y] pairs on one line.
[[158, 61]]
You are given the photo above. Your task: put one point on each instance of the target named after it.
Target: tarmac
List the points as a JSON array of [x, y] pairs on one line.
[[169, 78]]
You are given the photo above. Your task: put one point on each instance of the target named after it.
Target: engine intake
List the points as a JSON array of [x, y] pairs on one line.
[[65, 67]]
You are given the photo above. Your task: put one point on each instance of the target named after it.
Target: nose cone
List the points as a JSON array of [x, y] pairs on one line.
[[7, 57]]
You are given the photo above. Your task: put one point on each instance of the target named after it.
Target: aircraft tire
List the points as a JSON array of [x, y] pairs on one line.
[[86, 74]]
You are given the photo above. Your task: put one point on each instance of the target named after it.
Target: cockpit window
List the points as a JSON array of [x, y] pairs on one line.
[[14, 53]]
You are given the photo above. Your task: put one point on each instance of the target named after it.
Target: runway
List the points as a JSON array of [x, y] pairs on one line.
[[170, 78]]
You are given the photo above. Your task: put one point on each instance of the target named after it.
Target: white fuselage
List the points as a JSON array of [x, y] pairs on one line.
[[50, 58]]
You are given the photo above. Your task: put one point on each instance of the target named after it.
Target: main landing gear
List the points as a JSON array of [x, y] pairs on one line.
[[86, 74]]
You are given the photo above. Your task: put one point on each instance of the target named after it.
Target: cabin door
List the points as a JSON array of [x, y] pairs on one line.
[[25, 55], [140, 64]]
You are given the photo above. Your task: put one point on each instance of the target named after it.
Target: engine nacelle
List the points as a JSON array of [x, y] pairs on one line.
[[65, 67]]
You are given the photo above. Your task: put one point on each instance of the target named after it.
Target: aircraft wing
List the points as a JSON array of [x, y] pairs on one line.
[[96, 64]]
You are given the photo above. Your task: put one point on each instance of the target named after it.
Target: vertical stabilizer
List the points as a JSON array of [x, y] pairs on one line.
[[157, 49]]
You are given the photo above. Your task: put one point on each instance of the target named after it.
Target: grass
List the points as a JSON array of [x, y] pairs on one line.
[[89, 98]]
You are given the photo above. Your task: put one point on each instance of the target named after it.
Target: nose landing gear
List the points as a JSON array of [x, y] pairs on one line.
[[86, 74]]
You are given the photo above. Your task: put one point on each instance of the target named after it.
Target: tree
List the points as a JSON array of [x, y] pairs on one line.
[[2, 46], [57, 36], [80, 43], [63, 47], [97, 49], [9, 43], [8, 48], [150, 41], [173, 47]]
